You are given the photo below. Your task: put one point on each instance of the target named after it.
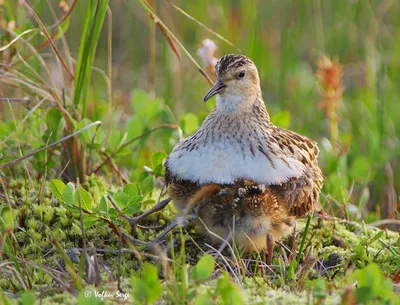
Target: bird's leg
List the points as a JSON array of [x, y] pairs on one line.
[[225, 242], [181, 221], [133, 221], [270, 248]]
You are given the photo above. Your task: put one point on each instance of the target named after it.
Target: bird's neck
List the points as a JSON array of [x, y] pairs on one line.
[[237, 105], [221, 126]]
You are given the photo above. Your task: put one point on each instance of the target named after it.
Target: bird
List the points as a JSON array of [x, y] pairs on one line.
[[245, 177]]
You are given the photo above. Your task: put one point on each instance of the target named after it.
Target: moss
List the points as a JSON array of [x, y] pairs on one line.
[[328, 237], [335, 245], [59, 298]]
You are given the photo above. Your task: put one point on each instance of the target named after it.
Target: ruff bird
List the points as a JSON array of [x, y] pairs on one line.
[[245, 177]]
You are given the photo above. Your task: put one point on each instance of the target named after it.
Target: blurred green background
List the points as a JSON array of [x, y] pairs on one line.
[[152, 86]]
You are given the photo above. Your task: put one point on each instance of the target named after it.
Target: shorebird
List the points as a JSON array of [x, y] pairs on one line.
[[240, 174]]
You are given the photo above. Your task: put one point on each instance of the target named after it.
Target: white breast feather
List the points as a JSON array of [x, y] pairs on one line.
[[222, 163]]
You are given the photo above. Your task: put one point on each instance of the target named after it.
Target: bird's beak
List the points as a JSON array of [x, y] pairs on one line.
[[217, 88]]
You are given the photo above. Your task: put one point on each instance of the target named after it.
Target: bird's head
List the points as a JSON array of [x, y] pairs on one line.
[[237, 85]]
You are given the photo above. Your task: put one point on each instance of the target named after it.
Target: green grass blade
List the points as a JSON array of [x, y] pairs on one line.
[[90, 35], [303, 240]]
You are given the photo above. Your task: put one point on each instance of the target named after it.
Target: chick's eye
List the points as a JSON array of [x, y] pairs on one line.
[[241, 74]]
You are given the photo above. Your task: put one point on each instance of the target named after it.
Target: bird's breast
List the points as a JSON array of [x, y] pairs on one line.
[[223, 162]]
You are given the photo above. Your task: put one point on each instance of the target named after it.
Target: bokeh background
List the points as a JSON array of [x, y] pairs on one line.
[[287, 41]]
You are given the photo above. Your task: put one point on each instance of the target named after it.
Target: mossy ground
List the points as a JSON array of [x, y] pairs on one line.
[[333, 248]]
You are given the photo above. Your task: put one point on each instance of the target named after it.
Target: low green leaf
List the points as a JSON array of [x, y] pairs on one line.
[[203, 269], [135, 127], [103, 204], [93, 146], [73, 209], [359, 250], [69, 194], [204, 299], [49, 136], [131, 189], [112, 212], [86, 200], [57, 188], [114, 139], [146, 288], [145, 106], [115, 218], [364, 295], [158, 158], [147, 185], [6, 218], [228, 291], [320, 288], [157, 162], [28, 298], [372, 285], [122, 199], [139, 99], [53, 118], [125, 151], [133, 206], [90, 220], [86, 136]]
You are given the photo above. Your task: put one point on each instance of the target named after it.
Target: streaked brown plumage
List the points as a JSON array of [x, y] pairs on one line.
[[245, 175]]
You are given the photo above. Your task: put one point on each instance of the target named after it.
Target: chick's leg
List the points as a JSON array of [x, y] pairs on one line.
[[270, 248]]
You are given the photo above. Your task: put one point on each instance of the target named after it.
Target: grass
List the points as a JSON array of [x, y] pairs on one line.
[[328, 71]]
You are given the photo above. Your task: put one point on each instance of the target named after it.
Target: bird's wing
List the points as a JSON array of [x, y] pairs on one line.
[[301, 194], [292, 144]]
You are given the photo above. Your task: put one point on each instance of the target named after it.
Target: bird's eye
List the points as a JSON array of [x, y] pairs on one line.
[[242, 74]]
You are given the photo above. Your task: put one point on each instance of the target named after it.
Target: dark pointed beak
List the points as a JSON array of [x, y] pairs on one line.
[[217, 88]]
